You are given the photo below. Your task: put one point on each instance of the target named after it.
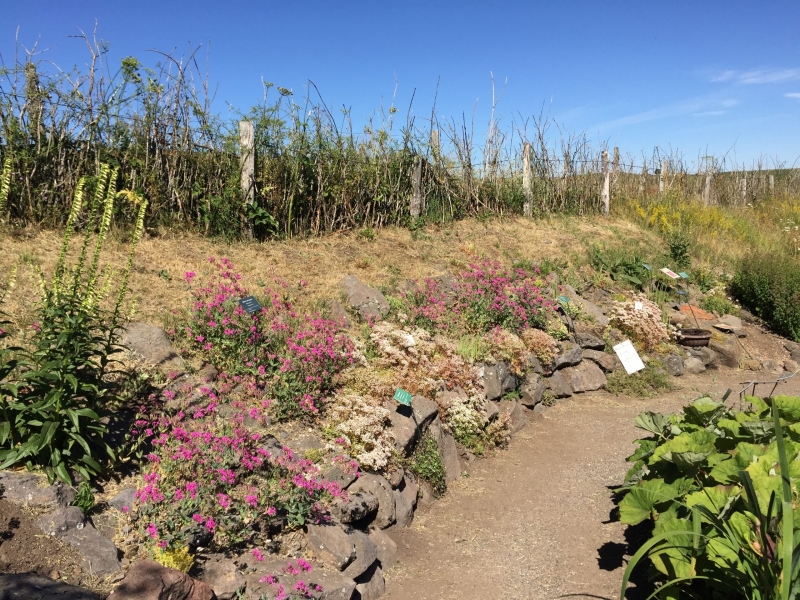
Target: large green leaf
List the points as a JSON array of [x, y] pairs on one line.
[[715, 499], [788, 407], [704, 411], [641, 500], [726, 471], [695, 442]]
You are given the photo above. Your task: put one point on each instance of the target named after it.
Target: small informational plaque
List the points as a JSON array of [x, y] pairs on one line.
[[250, 305], [629, 357], [638, 305], [670, 273], [403, 397], [683, 275], [646, 266]]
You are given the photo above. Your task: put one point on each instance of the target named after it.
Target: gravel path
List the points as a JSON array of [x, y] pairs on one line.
[[533, 522]]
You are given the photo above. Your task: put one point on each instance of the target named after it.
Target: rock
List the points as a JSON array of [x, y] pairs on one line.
[[366, 555], [588, 341], [148, 580], [790, 366], [707, 355], [728, 351], [357, 508], [559, 385], [534, 364], [586, 377], [498, 380], [387, 548], [746, 315], [335, 585], [795, 355], [152, 344], [770, 365], [615, 336], [395, 477], [371, 585], [570, 358], [57, 523], [732, 321], [678, 318], [447, 450], [335, 473], [517, 417], [403, 429], [410, 491], [188, 391], [331, 545], [370, 303], [339, 314], [222, 576], [491, 410], [673, 364], [382, 490], [29, 586], [531, 391], [425, 411], [124, 500], [751, 364], [589, 308], [540, 408], [448, 286], [791, 346], [33, 491], [693, 365], [607, 362], [99, 553], [404, 512]]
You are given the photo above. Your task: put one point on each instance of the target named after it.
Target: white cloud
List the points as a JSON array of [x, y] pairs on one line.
[[793, 95], [698, 106], [710, 113], [756, 76]]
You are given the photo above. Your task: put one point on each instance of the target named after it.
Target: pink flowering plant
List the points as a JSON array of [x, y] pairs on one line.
[[292, 361], [214, 483], [484, 297]]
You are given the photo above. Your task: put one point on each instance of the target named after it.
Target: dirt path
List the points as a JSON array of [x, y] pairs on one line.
[[533, 522]]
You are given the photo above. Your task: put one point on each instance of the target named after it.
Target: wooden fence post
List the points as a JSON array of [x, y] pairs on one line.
[[707, 190], [606, 184], [527, 210], [772, 185], [743, 189], [416, 195], [615, 167], [642, 179], [435, 149], [662, 179], [247, 162]]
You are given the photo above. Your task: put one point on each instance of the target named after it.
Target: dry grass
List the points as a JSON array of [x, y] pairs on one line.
[[394, 255]]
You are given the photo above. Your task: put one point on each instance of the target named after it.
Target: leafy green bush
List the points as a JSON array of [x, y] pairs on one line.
[[769, 286], [679, 250], [719, 304], [56, 388], [621, 265], [717, 485], [427, 464], [646, 383]]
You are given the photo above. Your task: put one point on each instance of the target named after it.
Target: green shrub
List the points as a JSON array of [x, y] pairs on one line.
[[646, 383], [769, 286], [56, 387], [718, 488], [719, 304], [427, 464], [679, 250]]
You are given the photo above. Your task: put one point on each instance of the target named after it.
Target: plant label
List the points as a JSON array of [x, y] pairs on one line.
[[250, 305], [648, 267], [638, 305], [563, 299], [670, 273], [629, 358], [403, 397], [683, 275]]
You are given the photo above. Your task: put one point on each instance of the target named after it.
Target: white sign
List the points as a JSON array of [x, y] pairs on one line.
[[629, 357], [670, 273], [638, 305]]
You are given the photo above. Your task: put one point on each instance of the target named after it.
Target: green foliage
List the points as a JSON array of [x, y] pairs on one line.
[[679, 250], [719, 304], [646, 383], [704, 278], [84, 499], [769, 286], [620, 265], [426, 463], [472, 348], [56, 389], [720, 491], [368, 234]]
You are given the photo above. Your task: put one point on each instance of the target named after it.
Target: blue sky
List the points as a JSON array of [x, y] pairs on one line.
[[721, 78]]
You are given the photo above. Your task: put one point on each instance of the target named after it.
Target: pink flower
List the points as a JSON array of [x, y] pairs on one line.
[[152, 530], [211, 524], [198, 518], [271, 511], [257, 553], [251, 500], [189, 275], [224, 501]]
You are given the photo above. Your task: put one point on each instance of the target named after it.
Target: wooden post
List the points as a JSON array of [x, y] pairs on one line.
[[435, 149], [527, 210], [606, 184], [772, 185], [247, 162], [642, 179], [615, 166], [707, 190], [743, 189], [416, 195], [662, 179]]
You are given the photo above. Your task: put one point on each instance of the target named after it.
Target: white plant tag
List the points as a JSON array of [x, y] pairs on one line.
[[628, 356], [638, 305]]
